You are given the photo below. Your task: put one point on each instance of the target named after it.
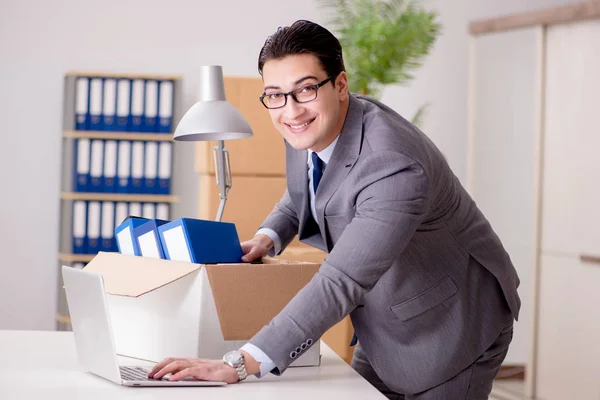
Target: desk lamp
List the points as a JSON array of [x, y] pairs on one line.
[[213, 118]]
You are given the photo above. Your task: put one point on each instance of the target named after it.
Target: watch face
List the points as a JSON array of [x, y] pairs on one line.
[[232, 357]]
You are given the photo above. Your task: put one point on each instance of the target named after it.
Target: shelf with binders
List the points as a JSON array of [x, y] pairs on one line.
[[117, 166], [134, 103], [88, 226], [117, 160]]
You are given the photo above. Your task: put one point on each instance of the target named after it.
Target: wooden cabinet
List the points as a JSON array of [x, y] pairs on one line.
[[504, 153], [569, 319], [571, 182], [535, 172]]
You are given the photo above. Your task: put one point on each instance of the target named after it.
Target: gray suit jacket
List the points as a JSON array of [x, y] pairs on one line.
[[425, 279]]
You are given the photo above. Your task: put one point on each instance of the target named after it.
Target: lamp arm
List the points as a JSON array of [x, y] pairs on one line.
[[223, 175]]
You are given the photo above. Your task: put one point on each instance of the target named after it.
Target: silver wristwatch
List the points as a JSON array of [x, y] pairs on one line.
[[235, 359]]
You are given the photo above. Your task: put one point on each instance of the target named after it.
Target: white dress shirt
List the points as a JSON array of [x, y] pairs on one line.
[[267, 365]]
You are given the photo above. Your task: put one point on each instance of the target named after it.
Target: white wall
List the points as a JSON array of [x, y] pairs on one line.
[[40, 40]]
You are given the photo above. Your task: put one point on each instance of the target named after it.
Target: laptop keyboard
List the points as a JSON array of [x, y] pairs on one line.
[[135, 374]]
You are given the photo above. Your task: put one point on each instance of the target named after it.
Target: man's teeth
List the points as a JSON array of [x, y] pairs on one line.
[[300, 126]]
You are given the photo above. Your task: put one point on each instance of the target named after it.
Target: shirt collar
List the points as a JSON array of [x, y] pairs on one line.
[[325, 154]]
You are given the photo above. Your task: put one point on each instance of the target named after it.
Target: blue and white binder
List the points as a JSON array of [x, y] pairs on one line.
[[124, 234], [107, 228], [137, 105], [82, 165], [162, 211], [135, 210], [96, 166], [201, 241], [150, 106], [123, 105], [96, 104], [109, 105], [124, 167], [165, 107], [137, 167], [82, 101], [164, 168], [79, 227], [121, 212], [93, 227], [149, 210], [151, 168], [146, 237], [110, 166]]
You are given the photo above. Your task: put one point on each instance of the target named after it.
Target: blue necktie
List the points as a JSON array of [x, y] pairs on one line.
[[318, 168]]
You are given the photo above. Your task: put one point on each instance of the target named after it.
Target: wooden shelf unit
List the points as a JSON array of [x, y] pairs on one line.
[[73, 258], [124, 75], [143, 198], [117, 135]]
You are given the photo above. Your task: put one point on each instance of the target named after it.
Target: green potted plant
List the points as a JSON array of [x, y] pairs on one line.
[[384, 41]]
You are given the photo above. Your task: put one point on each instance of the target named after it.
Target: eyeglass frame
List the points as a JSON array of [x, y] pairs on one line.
[[316, 86]]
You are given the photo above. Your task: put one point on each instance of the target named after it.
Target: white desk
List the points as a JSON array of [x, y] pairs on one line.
[[44, 365]]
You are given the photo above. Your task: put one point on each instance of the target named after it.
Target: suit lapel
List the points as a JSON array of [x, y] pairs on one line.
[[297, 180], [342, 160]]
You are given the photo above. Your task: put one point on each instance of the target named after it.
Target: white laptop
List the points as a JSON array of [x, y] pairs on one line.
[[94, 339]]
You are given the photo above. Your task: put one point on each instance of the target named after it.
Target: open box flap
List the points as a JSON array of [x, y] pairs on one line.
[[134, 276]]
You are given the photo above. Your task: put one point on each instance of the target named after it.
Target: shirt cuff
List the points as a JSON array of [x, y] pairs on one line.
[[266, 364], [273, 251]]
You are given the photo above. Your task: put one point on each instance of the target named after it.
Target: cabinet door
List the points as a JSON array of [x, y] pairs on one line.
[[571, 182], [504, 162], [569, 329]]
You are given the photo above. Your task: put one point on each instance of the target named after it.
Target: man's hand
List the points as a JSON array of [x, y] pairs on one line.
[[256, 248], [204, 370], [201, 369]]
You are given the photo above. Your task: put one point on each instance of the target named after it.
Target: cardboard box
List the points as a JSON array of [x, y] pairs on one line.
[[162, 308], [302, 252], [264, 153], [339, 336]]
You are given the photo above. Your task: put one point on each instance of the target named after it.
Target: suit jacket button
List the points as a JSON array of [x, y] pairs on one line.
[[304, 346], [293, 354], [309, 342], [298, 350]]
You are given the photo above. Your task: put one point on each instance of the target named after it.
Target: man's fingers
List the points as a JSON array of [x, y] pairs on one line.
[[160, 366], [252, 255], [171, 368], [247, 246], [197, 372]]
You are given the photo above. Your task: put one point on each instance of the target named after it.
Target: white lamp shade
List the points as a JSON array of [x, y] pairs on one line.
[[212, 117]]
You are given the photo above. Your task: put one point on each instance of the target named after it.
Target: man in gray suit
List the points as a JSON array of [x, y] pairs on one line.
[[431, 292]]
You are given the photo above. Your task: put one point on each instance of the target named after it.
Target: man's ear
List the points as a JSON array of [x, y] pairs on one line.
[[341, 85]]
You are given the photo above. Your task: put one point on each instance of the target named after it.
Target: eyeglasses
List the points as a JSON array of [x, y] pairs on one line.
[[302, 94]]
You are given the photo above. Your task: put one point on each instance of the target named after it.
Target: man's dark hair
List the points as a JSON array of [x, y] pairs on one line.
[[304, 37]]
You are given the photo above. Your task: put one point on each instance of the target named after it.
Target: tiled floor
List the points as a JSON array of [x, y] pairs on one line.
[[507, 389]]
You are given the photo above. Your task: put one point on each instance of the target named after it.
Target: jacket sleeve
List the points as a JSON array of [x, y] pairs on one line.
[[389, 208], [283, 220]]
